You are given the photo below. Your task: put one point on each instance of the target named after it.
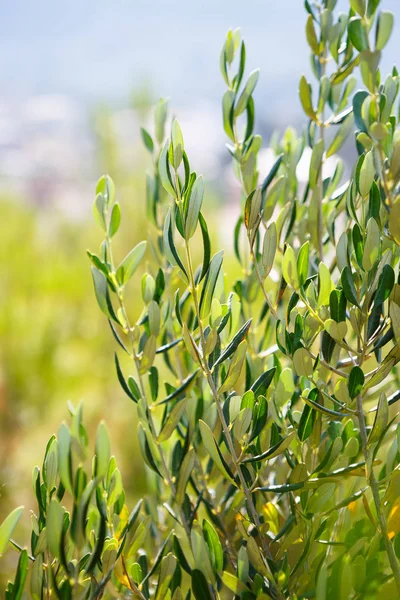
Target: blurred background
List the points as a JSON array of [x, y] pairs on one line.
[[77, 81]]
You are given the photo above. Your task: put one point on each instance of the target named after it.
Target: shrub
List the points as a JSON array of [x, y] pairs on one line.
[[272, 449]]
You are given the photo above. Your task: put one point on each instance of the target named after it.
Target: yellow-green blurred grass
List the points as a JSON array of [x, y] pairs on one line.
[[55, 346]]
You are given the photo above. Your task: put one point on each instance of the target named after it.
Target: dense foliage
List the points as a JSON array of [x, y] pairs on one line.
[[272, 446]]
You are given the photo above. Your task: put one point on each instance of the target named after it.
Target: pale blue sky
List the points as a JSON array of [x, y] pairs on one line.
[[101, 49]]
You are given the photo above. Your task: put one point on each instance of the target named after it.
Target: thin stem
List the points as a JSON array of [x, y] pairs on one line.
[[327, 365], [48, 567], [384, 179], [206, 370], [135, 358], [232, 554], [372, 482], [253, 258], [267, 299], [370, 476], [132, 585], [320, 223]]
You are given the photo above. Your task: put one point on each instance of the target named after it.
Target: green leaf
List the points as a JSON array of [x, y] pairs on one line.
[[394, 221], [306, 99], [117, 337], [154, 315], [306, 423], [179, 391], [234, 584], [282, 489], [242, 423], [395, 319], [236, 340], [311, 35], [274, 451], [157, 560], [235, 368], [243, 564], [355, 382], [212, 448], [185, 473], [252, 211], [99, 544], [206, 246], [337, 331], [381, 420], [131, 262], [64, 456], [147, 140], [122, 381], [54, 526], [358, 101], [50, 464], [348, 286], [115, 220], [346, 127], [367, 174], [327, 345], [139, 537], [191, 345], [303, 262], [201, 555], [7, 527], [177, 143], [200, 587], [228, 100], [323, 409], [171, 422], [342, 257], [169, 244], [21, 575], [103, 452], [146, 450], [384, 28], [167, 570], [210, 282], [134, 389], [78, 528], [325, 285], [372, 245], [271, 174], [102, 294], [358, 6], [270, 245], [263, 382], [320, 498], [272, 196], [214, 546], [385, 285], [357, 34], [369, 66], [163, 168], [303, 363], [99, 211], [247, 92], [326, 23], [106, 187], [289, 268], [193, 207], [316, 163]]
